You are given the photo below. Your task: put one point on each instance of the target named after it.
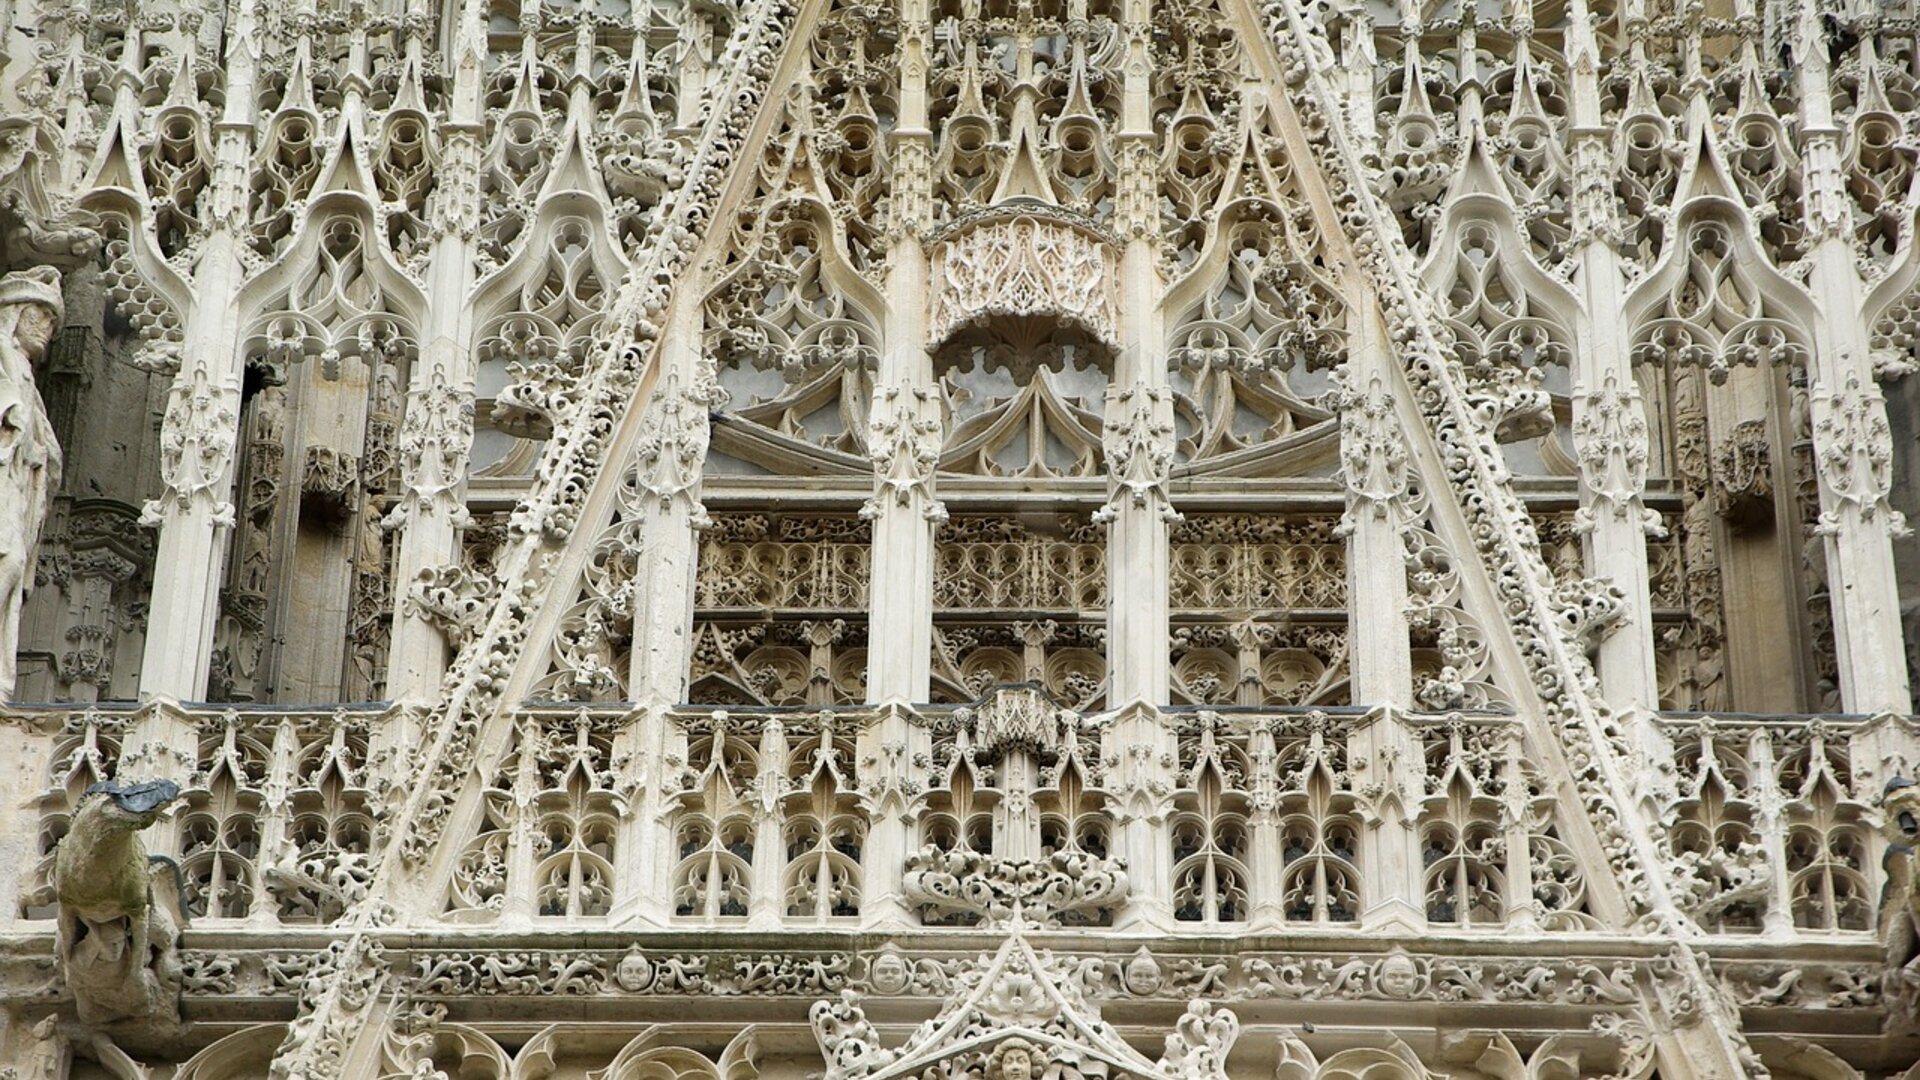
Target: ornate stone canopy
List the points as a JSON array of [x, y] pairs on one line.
[[1021, 259]]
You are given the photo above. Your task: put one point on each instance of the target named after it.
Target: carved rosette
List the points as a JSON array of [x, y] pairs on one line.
[[1033, 262]]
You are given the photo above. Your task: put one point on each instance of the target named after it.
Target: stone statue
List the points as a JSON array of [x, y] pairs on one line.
[[49, 1054], [1900, 901], [116, 936], [30, 307]]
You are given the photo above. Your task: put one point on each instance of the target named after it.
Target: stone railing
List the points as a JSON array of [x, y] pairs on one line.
[[1264, 819]]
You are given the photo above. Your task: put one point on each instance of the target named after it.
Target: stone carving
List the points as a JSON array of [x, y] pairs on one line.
[[434, 440], [30, 307], [904, 438], [1013, 892], [1855, 455], [119, 913], [1019, 1014], [328, 479], [1610, 434], [1373, 453], [1138, 443], [1900, 903], [1024, 260], [197, 437], [1743, 475], [1472, 208], [455, 599]]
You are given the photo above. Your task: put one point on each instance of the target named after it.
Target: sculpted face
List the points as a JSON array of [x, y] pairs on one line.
[[1016, 1065], [34, 329]]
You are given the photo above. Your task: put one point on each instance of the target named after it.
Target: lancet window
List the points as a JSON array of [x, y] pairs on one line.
[[326, 864], [1715, 840], [1827, 836], [1317, 821], [1489, 831], [1770, 829], [1462, 844], [823, 827], [553, 811], [1211, 829], [717, 822], [220, 840]]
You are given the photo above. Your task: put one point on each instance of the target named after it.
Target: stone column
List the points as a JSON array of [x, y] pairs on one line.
[[201, 423], [662, 510], [904, 438], [437, 432], [1373, 463], [1138, 446], [1852, 443]]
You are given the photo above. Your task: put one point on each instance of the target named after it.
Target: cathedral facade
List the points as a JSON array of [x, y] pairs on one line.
[[959, 539]]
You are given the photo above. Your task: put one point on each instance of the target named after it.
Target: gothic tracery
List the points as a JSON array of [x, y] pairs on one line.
[[979, 539]]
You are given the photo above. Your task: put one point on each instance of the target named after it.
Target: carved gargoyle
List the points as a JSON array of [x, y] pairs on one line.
[[119, 908], [1900, 901]]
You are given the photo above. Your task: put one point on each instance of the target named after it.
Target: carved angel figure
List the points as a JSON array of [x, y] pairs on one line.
[[30, 306]]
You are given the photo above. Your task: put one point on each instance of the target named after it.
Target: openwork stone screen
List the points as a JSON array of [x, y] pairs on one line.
[[959, 539]]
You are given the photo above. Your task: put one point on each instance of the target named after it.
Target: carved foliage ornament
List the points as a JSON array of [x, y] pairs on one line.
[[904, 436], [1610, 436], [197, 436], [1855, 456], [1373, 454], [1019, 1014], [1016, 892], [1031, 264], [1139, 450]]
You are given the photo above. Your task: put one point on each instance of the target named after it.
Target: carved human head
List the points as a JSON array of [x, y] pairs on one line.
[[1013, 1059], [30, 299]]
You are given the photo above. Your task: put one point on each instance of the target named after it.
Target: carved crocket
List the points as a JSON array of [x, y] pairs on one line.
[[1900, 900], [116, 937]]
